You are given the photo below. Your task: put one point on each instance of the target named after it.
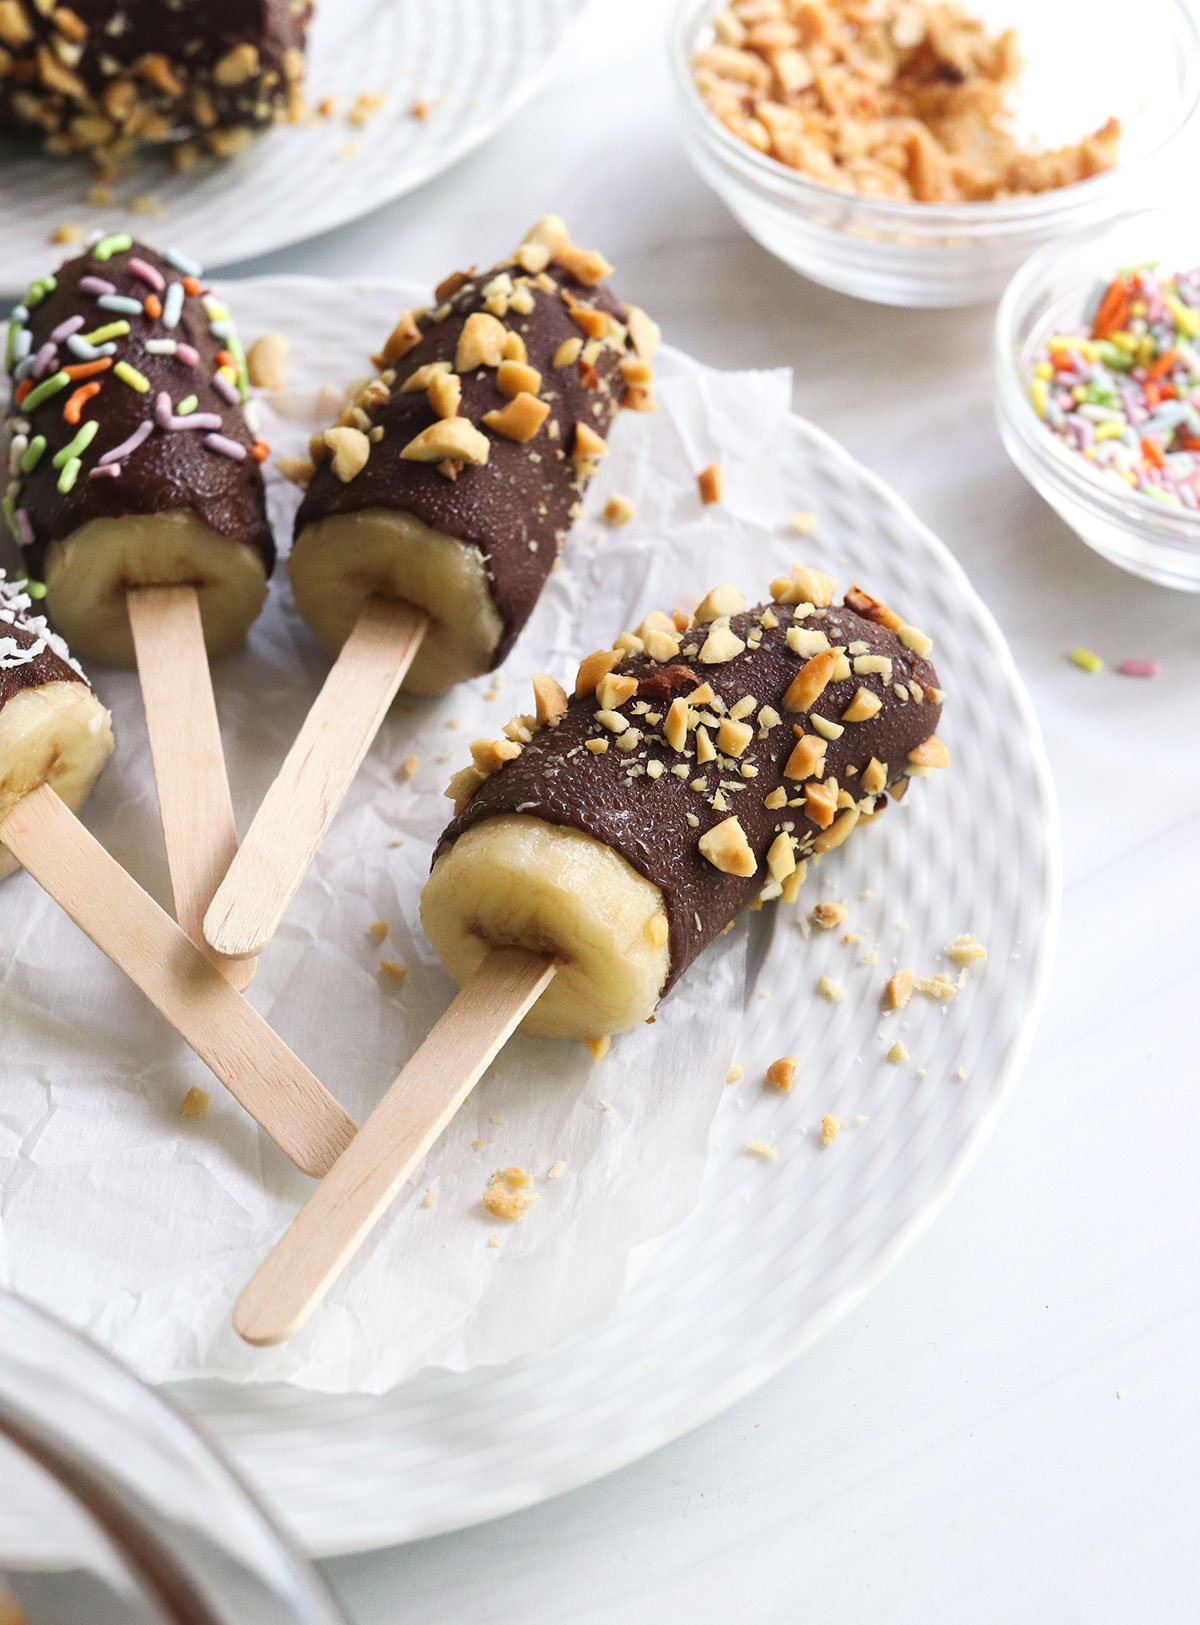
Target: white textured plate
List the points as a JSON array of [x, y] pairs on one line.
[[472, 62], [777, 1250]]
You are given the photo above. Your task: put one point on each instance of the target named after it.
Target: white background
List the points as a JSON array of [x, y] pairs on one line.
[[1009, 1429]]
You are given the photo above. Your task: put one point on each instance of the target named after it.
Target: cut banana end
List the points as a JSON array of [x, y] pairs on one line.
[[89, 574], [340, 562], [520, 881], [58, 735]]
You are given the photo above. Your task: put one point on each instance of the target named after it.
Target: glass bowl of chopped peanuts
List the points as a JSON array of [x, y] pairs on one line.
[[916, 152], [1097, 372]]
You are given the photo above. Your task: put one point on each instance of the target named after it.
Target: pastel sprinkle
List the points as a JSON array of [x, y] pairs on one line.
[[39, 289], [227, 448], [12, 338], [89, 369], [148, 274], [160, 346], [65, 329], [131, 376], [189, 356], [24, 367], [182, 262], [112, 330], [122, 305], [96, 286], [32, 455], [225, 388], [72, 450], [118, 243], [44, 357], [187, 405], [89, 352], [43, 391], [152, 305], [1138, 668], [127, 447], [8, 508], [172, 304], [77, 400], [166, 420], [25, 536], [105, 471], [36, 589], [66, 480], [1086, 660]]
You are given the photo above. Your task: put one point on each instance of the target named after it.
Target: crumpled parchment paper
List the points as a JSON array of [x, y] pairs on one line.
[[140, 1226]]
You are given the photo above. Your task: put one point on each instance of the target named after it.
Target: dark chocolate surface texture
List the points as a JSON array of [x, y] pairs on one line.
[[30, 653], [106, 74], [517, 507], [172, 468], [611, 797]]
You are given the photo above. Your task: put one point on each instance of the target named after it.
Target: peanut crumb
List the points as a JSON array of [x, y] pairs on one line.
[[940, 986], [428, 1199], [781, 1074], [827, 915], [760, 1148], [598, 1048], [711, 483], [833, 991], [618, 510], [195, 1103], [803, 523], [389, 967], [965, 949], [556, 1169], [409, 766], [493, 1241], [897, 1055], [264, 361], [67, 233], [734, 1073], [961, 1075], [508, 1195], [379, 929], [830, 1129], [898, 990], [419, 110]]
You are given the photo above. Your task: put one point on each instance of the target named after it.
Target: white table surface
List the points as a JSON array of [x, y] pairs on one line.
[[1007, 1429]]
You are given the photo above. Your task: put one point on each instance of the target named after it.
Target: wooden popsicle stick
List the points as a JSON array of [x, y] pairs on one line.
[[340, 1214], [189, 762], [228, 1035], [320, 767]]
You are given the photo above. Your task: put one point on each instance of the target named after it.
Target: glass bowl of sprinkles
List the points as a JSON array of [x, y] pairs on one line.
[[914, 154], [1097, 359]]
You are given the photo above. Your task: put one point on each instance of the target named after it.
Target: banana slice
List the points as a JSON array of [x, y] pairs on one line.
[[57, 734], [88, 575], [518, 880], [340, 562]]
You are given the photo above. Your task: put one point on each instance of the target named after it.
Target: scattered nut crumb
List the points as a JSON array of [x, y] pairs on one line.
[[428, 1199], [299, 470], [833, 991], [419, 110], [617, 511], [734, 1073], [409, 766], [961, 1075], [493, 1241], [965, 949], [830, 1129], [781, 1074], [100, 195], [940, 986], [827, 915], [389, 967], [348, 149], [556, 1169], [365, 106], [195, 1103], [898, 990], [67, 234], [148, 204], [711, 482], [379, 929], [760, 1148], [897, 1055], [803, 522], [598, 1048], [264, 361], [508, 1195]]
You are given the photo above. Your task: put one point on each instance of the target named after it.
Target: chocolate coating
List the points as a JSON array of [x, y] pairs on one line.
[[517, 507], [105, 75], [31, 655], [170, 469], [610, 796]]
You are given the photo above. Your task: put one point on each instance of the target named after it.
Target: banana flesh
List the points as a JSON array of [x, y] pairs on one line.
[[58, 734]]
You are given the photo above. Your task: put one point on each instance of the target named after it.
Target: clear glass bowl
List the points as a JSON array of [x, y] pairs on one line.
[[1048, 295], [138, 1520], [960, 254]]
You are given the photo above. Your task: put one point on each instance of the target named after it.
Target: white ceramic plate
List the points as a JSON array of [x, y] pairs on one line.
[[472, 62], [776, 1251]]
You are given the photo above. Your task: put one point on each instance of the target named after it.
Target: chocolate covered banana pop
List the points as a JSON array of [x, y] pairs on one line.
[[695, 770], [53, 729], [135, 492], [106, 76], [436, 510], [453, 477], [608, 837]]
